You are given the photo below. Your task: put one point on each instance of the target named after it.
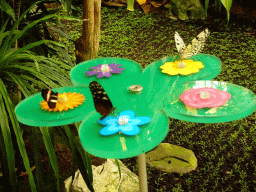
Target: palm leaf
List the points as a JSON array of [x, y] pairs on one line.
[[79, 157], [7, 43], [52, 156], [6, 140], [18, 133], [7, 8]]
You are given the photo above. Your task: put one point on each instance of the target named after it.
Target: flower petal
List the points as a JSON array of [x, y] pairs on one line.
[[128, 113], [118, 70], [109, 130], [91, 73], [129, 129], [108, 120], [143, 120], [107, 74]]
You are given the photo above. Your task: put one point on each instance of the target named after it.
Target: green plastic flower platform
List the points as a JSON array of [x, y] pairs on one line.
[[30, 113], [120, 146], [158, 98], [241, 104], [156, 86]]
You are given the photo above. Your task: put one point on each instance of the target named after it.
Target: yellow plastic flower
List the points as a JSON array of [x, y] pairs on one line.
[[141, 2], [185, 67], [65, 101]]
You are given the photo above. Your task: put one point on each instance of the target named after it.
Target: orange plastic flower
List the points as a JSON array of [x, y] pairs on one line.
[[191, 66], [65, 101]]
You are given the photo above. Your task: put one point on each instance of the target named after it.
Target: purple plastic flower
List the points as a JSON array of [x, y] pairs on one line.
[[104, 70]]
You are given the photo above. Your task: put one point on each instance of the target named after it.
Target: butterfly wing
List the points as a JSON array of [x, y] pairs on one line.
[[199, 41], [187, 52], [180, 45], [196, 46], [50, 97], [101, 100]]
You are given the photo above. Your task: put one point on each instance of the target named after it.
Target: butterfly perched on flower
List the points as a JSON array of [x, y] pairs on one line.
[[101, 100], [50, 97], [192, 49]]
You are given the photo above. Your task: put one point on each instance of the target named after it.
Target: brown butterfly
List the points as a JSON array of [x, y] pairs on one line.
[[50, 97], [101, 100]]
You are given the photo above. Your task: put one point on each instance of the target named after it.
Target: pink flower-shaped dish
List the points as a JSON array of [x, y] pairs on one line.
[[205, 97]]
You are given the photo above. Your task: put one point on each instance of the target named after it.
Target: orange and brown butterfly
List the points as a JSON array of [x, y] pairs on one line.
[[50, 97], [101, 100]]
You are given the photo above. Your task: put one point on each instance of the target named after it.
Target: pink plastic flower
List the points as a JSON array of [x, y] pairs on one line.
[[205, 97]]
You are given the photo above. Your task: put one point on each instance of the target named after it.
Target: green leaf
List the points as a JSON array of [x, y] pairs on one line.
[[18, 133], [9, 152], [30, 46], [22, 84], [119, 170], [64, 52], [227, 4], [52, 156], [7, 8], [7, 45], [206, 7], [83, 159], [130, 4], [71, 18], [68, 134], [37, 156], [60, 32]]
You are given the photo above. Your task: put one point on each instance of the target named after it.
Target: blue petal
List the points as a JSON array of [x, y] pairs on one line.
[[128, 114], [143, 120], [108, 120], [129, 129], [134, 121], [109, 130]]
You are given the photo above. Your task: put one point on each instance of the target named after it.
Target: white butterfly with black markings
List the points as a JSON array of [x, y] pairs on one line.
[[192, 49]]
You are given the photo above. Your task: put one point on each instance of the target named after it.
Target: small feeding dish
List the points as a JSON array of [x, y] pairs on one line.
[[135, 89]]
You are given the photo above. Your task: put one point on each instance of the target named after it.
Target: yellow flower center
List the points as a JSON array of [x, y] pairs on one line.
[[105, 68], [62, 98]]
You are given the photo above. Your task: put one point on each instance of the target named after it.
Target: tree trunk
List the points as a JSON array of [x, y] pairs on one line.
[[16, 7], [87, 45]]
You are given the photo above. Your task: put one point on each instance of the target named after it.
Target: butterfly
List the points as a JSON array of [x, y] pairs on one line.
[[101, 100], [50, 97], [192, 49]]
